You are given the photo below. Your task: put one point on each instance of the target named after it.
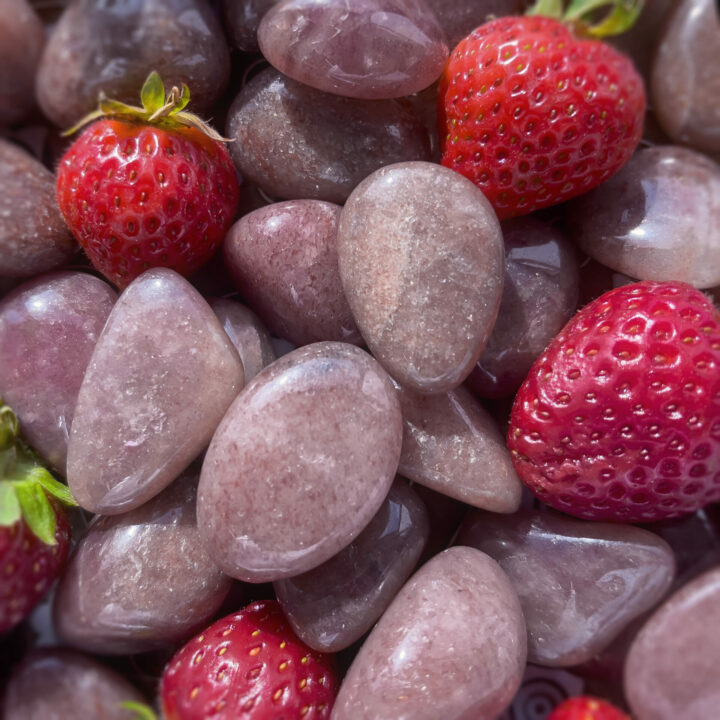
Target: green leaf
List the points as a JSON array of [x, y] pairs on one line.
[[9, 505], [152, 94], [58, 490], [8, 426], [36, 510], [548, 8], [142, 712]]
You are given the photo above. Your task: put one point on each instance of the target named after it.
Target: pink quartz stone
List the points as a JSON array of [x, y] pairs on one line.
[[283, 259], [370, 49], [300, 464], [452, 445], [159, 381], [422, 262], [451, 645], [672, 669], [48, 330]]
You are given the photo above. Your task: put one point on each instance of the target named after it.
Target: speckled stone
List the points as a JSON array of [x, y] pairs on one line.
[[333, 605], [161, 377], [58, 684], [580, 584], [672, 668], [369, 49], [452, 445], [48, 330], [297, 142], [451, 645], [300, 464], [658, 218], [242, 19], [422, 262], [283, 259], [33, 235]]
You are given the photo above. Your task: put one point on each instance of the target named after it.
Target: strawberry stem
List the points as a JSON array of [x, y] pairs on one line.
[[142, 712], [620, 15]]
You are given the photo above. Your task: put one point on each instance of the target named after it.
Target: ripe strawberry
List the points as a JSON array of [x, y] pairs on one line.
[[619, 419], [249, 665], [587, 708], [147, 187], [534, 116]]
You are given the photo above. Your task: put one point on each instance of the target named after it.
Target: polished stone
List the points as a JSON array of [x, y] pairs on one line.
[[242, 19]]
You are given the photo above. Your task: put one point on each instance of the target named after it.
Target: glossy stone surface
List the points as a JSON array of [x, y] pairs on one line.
[[579, 583], [656, 219], [33, 235], [48, 330], [451, 645], [596, 279], [159, 381], [540, 294], [242, 19], [300, 464], [113, 47], [421, 260], [283, 259], [452, 445], [685, 80], [672, 668], [369, 49], [296, 142], [333, 605]]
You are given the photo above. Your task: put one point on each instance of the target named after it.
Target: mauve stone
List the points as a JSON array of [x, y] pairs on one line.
[[672, 669], [452, 445], [33, 234], [596, 279], [242, 19], [283, 259], [658, 218], [300, 463], [161, 377], [369, 49], [333, 605], [421, 260], [580, 583], [297, 142], [445, 515], [451, 645], [48, 330]]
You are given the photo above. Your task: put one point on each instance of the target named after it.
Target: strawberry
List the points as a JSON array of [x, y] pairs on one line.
[[619, 419], [249, 665], [533, 115], [585, 707], [147, 187], [34, 530]]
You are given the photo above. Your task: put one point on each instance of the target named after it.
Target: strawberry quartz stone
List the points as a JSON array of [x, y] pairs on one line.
[[619, 419]]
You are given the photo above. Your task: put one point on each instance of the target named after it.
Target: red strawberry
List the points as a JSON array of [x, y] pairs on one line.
[[534, 116], [148, 187], [587, 708], [619, 419], [249, 665]]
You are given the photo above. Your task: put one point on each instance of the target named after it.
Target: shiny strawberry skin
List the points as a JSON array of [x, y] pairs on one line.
[[137, 196], [534, 116], [584, 707], [249, 666], [619, 419]]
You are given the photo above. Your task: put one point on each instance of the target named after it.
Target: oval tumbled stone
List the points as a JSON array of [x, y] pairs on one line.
[[422, 262], [300, 463]]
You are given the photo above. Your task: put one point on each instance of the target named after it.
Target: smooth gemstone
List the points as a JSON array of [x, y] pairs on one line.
[[596, 279], [283, 259], [580, 583], [48, 330], [333, 605], [445, 515], [321, 145], [300, 464], [451, 645], [369, 49], [422, 262], [242, 19], [161, 377]]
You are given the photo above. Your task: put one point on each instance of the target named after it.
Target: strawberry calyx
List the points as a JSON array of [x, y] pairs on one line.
[[582, 15], [26, 487], [142, 712]]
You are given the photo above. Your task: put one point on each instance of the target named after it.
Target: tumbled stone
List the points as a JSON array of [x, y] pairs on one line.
[[48, 330], [445, 515], [33, 235], [333, 605], [451, 645], [672, 668], [421, 260], [283, 259], [656, 219], [297, 142], [300, 463], [596, 279], [369, 49], [580, 584], [161, 377], [242, 19], [452, 445]]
